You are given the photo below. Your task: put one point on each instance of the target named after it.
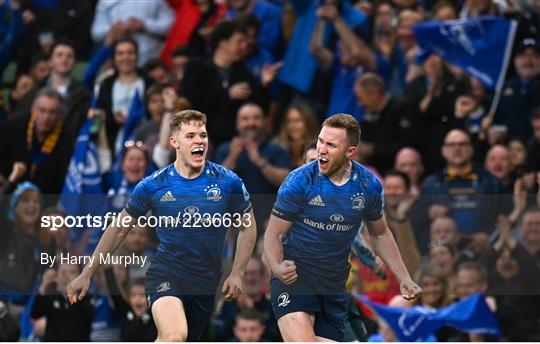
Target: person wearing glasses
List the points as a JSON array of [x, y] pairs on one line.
[[463, 191], [205, 200], [40, 141]]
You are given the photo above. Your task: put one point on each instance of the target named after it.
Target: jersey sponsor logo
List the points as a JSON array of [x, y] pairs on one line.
[[164, 286], [336, 218], [213, 193], [358, 201], [317, 201], [283, 300], [167, 197], [191, 209], [329, 226]]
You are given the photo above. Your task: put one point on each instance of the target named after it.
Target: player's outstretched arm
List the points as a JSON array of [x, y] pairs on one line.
[[232, 287], [285, 270], [109, 242], [386, 248]]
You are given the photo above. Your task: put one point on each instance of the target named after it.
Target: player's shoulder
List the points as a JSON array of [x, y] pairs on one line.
[[366, 179], [306, 174], [215, 170], [158, 177]]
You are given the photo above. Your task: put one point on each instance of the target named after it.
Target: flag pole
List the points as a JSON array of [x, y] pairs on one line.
[[500, 83]]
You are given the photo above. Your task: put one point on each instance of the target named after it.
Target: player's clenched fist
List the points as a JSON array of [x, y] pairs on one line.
[[286, 272], [410, 290]]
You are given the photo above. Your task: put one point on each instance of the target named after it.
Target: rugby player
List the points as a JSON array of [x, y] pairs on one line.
[[317, 214], [183, 277]]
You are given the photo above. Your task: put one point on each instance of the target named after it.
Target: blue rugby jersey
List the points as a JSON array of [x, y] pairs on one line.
[[326, 219], [198, 209]]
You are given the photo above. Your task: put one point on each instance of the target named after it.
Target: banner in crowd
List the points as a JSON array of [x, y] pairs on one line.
[[135, 115], [481, 46], [471, 315], [83, 176]]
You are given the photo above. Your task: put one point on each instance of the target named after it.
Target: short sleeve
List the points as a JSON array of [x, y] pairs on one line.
[[240, 198], [374, 201], [140, 202], [291, 196]]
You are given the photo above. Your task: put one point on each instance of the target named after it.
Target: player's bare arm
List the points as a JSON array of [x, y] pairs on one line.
[[385, 247], [109, 242], [285, 270], [232, 287]]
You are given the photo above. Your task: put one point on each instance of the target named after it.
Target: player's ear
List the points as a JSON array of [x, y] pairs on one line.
[[350, 152], [173, 142]]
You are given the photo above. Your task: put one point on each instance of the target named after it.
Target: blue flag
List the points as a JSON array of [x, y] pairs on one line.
[[471, 315], [481, 46], [82, 191], [135, 115]]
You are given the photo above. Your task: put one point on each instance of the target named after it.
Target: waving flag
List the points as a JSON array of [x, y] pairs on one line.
[[471, 315], [82, 191], [481, 46], [83, 176]]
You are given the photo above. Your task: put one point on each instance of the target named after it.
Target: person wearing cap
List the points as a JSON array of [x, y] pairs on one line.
[[22, 242], [520, 94]]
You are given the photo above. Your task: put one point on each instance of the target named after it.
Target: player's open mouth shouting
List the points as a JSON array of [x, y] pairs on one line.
[[198, 153]]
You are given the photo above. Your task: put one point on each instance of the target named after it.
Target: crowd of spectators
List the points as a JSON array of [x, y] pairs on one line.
[[462, 184]]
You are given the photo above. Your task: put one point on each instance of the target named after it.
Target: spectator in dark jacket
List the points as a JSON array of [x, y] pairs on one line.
[[76, 97], [136, 317], [435, 94], [388, 124], [220, 85], [65, 322], [520, 94], [41, 141]]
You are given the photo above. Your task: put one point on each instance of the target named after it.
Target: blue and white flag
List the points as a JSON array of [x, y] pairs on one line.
[[481, 46], [135, 115], [471, 315], [83, 176]]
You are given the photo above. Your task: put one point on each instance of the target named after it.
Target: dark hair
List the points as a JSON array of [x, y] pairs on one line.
[[181, 50], [152, 64], [222, 32], [123, 40], [37, 59], [347, 122], [395, 173], [311, 144], [185, 117], [249, 314], [66, 42], [480, 271], [152, 91], [248, 21]]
